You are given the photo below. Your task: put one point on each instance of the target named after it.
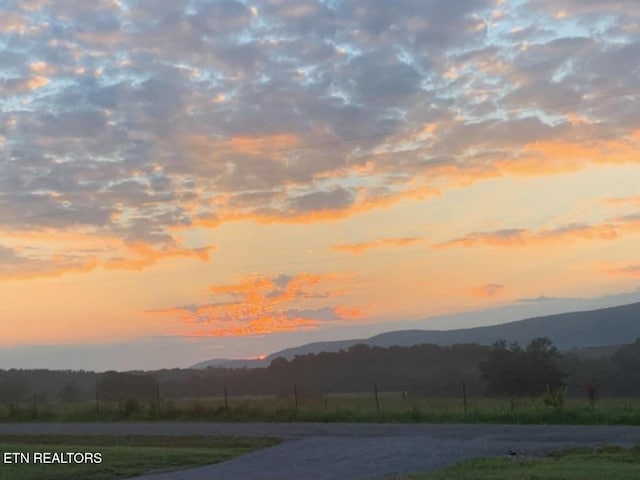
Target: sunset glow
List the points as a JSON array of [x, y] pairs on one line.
[[226, 175]]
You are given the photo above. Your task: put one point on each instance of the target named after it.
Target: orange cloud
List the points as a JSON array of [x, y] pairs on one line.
[[532, 159], [92, 250], [52, 252], [634, 201], [76, 240], [263, 144], [284, 215], [574, 155], [41, 68], [356, 248], [142, 255], [282, 288], [262, 305], [489, 290], [577, 120], [632, 271], [25, 84], [618, 228], [202, 147], [53, 266], [350, 313], [262, 325], [540, 158]]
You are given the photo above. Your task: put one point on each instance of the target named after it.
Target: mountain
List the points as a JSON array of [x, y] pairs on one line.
[[594, 328], [288, 353], [316, 347], [575, 330]]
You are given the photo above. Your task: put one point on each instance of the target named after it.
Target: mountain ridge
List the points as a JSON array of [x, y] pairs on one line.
[[582, 329]]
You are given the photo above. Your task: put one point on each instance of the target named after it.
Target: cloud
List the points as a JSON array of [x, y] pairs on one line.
[[336, 199], [489, 290], [632, 271], [140, 256], [324, 206], [632, 201], [53, 253], [263, 305], [566, 8], [376, 244], [543, 299], [16, 265], [14, 86], [13, 22], [520, 237], [138, 119]]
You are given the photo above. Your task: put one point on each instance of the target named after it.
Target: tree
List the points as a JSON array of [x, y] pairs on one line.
[[511, 371], [13, 391], [122, 385], [624, 378], [500, 370], [69, 392], [542, 369]]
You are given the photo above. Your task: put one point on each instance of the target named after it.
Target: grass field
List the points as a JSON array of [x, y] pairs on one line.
[[336, 408], [121, 457], [612, 462]]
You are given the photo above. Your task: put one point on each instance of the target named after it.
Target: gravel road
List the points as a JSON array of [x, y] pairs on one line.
[[351, 451]]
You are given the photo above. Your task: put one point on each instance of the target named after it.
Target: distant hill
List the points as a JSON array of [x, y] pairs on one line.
[[317, 347], [594, 328], [576, 330], [288, 353]]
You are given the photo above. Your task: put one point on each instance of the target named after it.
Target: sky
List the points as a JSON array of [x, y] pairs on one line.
[[206, 179]]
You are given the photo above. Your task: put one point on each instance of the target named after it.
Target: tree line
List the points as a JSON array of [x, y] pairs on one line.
[[509, 370]]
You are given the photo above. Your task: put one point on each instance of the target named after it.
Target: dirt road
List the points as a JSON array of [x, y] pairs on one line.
[[352, 451]]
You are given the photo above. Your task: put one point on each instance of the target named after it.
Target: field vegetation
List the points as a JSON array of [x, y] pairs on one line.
[[609, 462], [504, 383], [390, 407], [122, 456]]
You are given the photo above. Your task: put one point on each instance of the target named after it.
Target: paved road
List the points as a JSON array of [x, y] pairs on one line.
[[352, 451]]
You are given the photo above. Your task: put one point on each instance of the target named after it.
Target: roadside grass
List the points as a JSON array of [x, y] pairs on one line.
[[335, 408], [122, 456], [610, 462]]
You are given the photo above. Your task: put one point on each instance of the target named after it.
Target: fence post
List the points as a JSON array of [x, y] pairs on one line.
[[464, 396], [158, 399], [375, 391], [295, 395], [97, 402], [226, 400]]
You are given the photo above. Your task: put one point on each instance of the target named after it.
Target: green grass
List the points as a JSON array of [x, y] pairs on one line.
[[605, 463], [336, 408], [122, 456]]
